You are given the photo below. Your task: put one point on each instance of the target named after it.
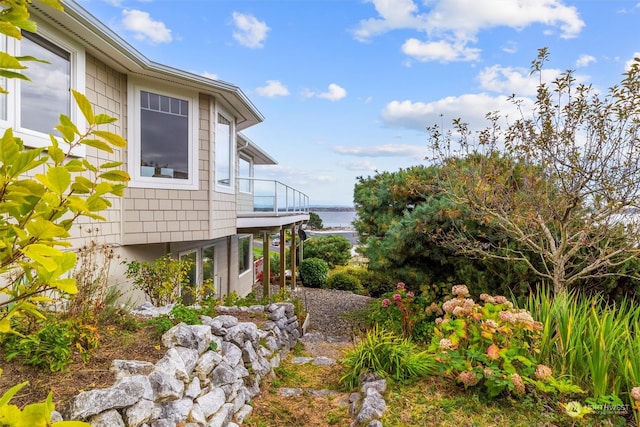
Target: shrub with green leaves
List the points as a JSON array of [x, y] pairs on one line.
[[344, 282], [384, 353], [491, 345], [161, 279], [50, 345], [333, 248], [314, 272]]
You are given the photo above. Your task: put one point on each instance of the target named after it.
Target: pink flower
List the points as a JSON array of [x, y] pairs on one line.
[[400, 285], [518, 384], [493, 352], [397, 297], [635, 393], [543, 372], [386, 302], [460, 290], [410, 294], [468, 378]]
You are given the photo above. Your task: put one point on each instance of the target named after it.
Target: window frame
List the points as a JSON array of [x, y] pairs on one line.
[[231, 188], [135, 143], [249, 246], [77, 81], [242, 158]]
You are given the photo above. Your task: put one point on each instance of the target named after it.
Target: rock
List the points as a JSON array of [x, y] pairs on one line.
[[165, 386], [110, 418], [211, 402], [140, 413], [196, 337], [128, 368], [125, 392]]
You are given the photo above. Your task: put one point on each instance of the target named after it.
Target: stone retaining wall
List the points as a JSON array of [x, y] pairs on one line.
[[207, 377]]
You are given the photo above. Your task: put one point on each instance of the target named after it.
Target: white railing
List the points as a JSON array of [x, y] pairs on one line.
[[269, 197]]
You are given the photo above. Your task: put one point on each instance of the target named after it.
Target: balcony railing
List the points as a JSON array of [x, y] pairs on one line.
[[269, 197]]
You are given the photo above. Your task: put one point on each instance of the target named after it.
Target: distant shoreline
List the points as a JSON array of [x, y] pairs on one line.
[[332, 209]]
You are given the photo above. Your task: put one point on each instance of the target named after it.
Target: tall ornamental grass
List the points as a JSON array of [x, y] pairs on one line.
[[593, 341]]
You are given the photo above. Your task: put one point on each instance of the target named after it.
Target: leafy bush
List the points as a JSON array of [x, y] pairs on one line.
[[50, 346], [387, 355], [375, 283], [313, 272], [491, 345], [334, 249], [160, 280], [344, 282]]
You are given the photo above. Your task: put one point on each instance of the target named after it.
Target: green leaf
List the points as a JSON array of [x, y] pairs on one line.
[[9, 147], [112, 138], [59, 179], [104, 119], [8, 395], [68, 285], [9, 61], [25, 161], [89, 166], [75, 165], [45, 230], [13, 75], [67, 128], [43, 255], [110, 165], [85, 107], [96, 143], [53, 3], [116, 175]]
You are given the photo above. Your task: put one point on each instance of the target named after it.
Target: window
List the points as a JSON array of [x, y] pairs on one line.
[[32, 108], [224, 148], [188, 293], [245, 173], [244, 254], [209, 270], [163, 150]]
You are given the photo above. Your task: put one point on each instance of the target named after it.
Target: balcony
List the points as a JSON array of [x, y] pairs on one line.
[[264, 203]]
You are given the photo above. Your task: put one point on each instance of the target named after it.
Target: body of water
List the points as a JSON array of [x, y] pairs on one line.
[[337, 219]]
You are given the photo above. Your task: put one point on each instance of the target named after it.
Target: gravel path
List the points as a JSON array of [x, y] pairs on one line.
[[325, 308]]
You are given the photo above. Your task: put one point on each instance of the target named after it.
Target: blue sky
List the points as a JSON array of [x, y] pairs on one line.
[[348, 87]]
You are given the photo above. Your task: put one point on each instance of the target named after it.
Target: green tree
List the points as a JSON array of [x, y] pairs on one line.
[[578, 213], [315, 221], [401, 218], [333, 248], [43, 192]]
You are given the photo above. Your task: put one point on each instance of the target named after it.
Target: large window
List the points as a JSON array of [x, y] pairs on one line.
[[202, 272], [224, 149], [163, 151], [32, 108], [245, 174], [244, 254]]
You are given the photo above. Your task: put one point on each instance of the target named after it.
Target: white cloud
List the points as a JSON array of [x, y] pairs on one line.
[[334, 93], [144, 27], [358, 166], [386, 150], [630, 62], [585, 60], [250, 32], [272, 89], [450, 26], [470, 108], [441, 50]]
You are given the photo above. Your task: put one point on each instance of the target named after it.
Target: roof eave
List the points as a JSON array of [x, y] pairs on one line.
[[106, 45]]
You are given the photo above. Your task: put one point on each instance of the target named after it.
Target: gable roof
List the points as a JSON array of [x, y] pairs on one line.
[[101, 42]]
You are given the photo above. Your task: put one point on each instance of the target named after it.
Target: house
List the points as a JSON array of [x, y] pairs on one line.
[[192, 191]]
